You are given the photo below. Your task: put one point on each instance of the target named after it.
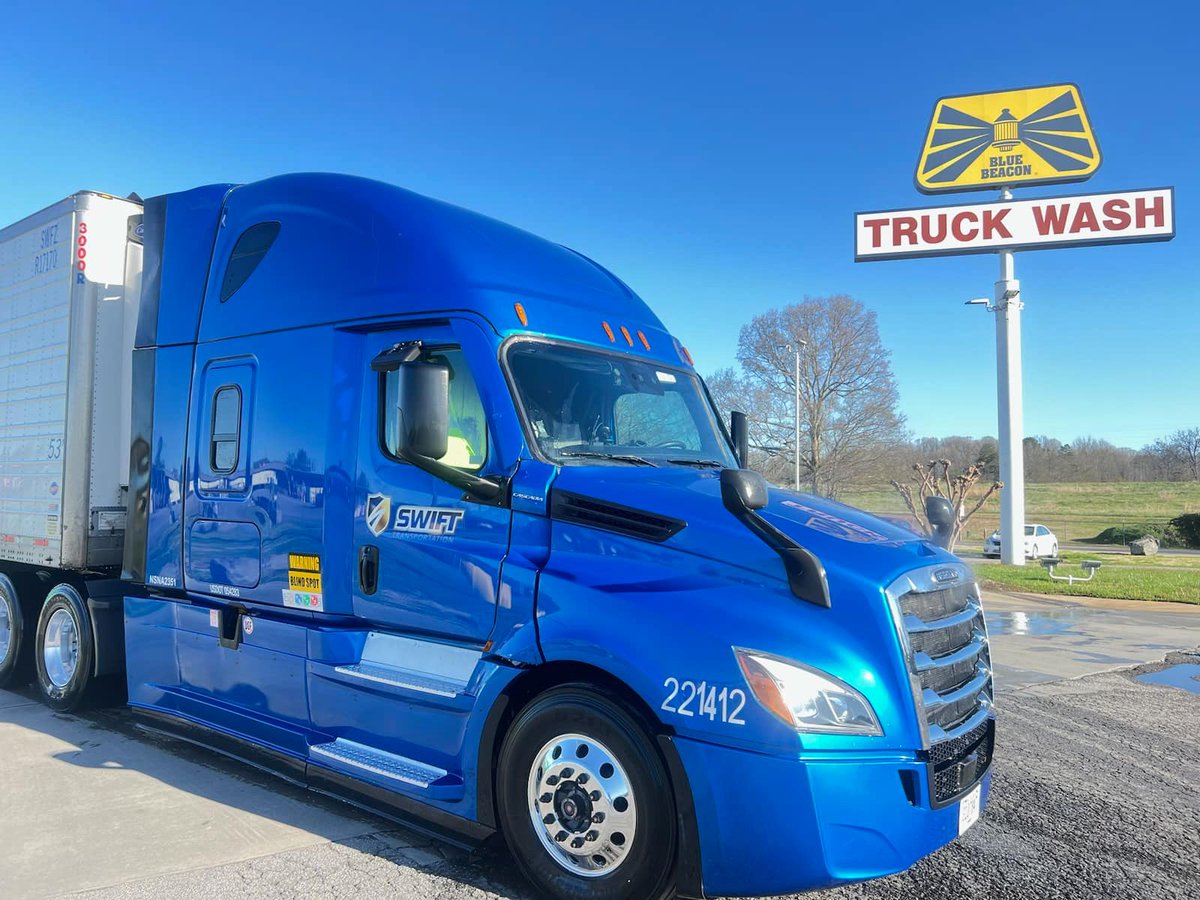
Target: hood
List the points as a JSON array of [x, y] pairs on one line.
[[846, 540]]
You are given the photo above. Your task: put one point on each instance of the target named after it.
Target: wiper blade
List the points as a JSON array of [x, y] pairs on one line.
[[699, 463], [619, 457]]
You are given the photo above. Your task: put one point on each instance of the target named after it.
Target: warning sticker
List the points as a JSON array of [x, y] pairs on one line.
[[304, 562], [303, 600], [304, 575], [304, 581]]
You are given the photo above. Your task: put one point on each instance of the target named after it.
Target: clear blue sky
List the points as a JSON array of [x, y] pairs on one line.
[[712, 154]]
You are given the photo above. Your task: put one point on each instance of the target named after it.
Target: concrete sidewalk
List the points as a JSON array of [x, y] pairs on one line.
[[88, 801]]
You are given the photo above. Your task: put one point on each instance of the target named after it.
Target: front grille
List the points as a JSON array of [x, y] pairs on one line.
[[948, 678], [928, 605], [950, 668], [958, 774], [945, 640]]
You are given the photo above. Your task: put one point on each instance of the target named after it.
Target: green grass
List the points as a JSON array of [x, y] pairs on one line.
[[1120, 581], [1072, 511]]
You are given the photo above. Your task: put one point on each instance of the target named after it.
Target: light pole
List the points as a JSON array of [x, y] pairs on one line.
[[796, 455]]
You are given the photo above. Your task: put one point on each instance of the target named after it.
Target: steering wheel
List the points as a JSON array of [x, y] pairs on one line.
[[672, 445]]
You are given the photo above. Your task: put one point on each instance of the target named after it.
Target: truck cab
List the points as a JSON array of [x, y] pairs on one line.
[[437, 516]]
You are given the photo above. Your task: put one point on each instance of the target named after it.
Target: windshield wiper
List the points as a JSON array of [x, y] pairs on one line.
[[699, 463], [619, 457]]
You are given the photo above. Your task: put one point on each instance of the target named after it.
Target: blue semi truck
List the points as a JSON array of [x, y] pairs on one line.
[[430, 514]]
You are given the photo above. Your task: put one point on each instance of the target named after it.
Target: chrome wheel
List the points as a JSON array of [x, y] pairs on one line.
[[6, 630], [60, 648], [582, 805]]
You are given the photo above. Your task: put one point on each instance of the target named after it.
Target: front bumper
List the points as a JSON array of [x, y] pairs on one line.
[[775, 825]]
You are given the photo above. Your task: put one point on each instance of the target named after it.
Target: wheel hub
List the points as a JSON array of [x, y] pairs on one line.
[[5, 629], [573, 807], [582, 805], [60, 648]]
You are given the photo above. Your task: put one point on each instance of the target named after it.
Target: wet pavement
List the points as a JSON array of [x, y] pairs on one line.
[[1183, 676], [1095, 792], [1037, 638]]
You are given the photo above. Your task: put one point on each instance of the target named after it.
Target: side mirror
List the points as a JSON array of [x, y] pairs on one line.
[[739, 430], [423, 398], [743, 489], [940, 513]]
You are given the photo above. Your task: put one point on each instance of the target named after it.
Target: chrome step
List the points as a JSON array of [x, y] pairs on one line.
[[380, 762], [401, 678]]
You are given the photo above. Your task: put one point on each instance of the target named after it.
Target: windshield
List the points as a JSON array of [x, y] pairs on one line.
[[587, 405], [1028, 531]]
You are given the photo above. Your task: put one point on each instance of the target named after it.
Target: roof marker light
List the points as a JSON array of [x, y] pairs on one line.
[[612, 337], [520, 311], [642, 338], [628, 337]]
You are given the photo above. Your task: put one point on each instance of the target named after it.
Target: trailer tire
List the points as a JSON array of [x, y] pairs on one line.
[[14, 652], [64, 649], [584, 801]]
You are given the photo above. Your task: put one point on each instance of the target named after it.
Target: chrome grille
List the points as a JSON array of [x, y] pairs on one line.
[[940, 620]]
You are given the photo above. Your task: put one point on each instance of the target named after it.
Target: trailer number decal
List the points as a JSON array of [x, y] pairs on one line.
[[725, 704], [81, 253]]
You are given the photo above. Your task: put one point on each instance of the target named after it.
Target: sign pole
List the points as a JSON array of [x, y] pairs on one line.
[[1009, 413], [797, 435]]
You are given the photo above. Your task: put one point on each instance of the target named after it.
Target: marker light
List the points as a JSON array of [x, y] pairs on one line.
[[684, 356], [628, 337], [806, 699], [520, 310], [642, 338], [612, 337]]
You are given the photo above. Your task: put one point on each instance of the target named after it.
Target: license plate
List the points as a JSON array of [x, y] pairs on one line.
[[968, 809]]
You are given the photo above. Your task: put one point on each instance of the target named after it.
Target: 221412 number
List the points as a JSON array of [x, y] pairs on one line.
[[724, 704]]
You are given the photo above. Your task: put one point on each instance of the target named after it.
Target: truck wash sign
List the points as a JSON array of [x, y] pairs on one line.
[[1074, 221], [1038, 135]]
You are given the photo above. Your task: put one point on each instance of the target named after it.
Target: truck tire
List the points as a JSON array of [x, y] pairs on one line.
[[14, 652], [584, 800], [64, 649]]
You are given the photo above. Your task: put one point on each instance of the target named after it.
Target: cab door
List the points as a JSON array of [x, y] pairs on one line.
[[429, 557]]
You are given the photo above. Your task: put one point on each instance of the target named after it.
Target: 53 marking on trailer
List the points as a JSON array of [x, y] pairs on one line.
[[724, 705]]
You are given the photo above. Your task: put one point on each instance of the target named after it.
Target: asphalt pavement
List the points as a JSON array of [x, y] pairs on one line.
[[1096, 792]]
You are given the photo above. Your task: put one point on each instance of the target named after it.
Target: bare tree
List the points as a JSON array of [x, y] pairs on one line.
[[848, 397], [933, 479], [1181, 452]]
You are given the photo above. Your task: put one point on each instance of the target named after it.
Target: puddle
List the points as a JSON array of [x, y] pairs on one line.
[[1181, 676], [1039, 623]]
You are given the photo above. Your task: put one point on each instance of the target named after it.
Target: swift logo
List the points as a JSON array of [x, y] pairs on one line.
[[379, 513], [427, 520]]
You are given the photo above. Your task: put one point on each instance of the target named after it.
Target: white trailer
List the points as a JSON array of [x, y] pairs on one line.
[[70, 279]]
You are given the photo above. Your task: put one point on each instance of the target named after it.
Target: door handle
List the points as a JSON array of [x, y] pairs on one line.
[[368, 568]]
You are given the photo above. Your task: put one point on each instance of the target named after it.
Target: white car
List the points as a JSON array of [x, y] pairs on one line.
[[1039, 541]]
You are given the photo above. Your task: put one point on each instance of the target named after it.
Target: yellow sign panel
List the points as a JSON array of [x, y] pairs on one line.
[[304, 581], [304, 561], [1036, 135]]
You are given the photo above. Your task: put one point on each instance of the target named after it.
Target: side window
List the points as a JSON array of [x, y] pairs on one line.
[[226, 429], [468, 444], [247, 253], [1042, 531]]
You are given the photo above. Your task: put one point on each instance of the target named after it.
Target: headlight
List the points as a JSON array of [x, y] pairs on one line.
[[806, 699]]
